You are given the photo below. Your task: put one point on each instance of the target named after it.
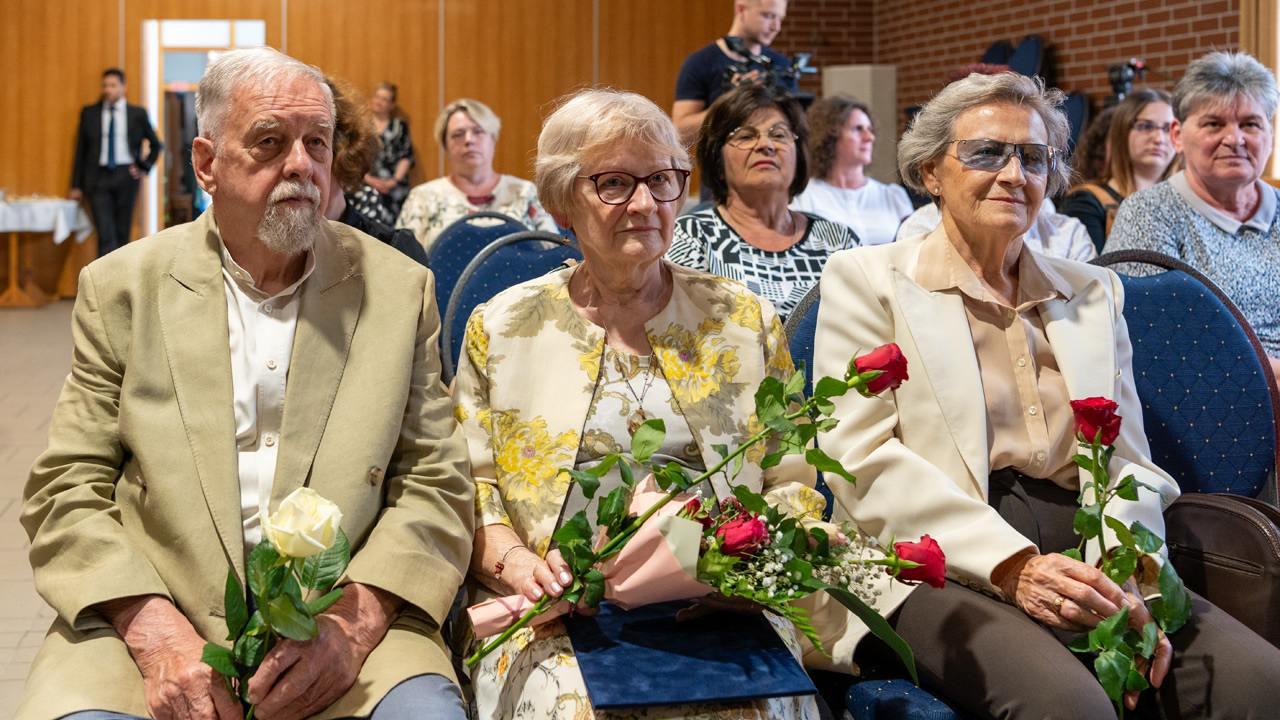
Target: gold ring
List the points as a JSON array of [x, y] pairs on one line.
[[1057, 604]]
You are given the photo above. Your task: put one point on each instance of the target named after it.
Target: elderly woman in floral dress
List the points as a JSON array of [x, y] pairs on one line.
[[621, 338]]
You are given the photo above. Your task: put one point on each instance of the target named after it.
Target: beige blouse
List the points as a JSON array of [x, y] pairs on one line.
[[1030, 426]]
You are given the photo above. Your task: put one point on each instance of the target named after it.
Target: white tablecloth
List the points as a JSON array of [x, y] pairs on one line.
[[61, 217]]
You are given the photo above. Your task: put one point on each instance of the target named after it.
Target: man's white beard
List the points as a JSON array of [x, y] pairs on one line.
[[291, 230]]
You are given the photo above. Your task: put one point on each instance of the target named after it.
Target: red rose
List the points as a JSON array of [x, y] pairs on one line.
[[1096, 414], [692, 510], [742, 536], [933, 564], [889, 360]]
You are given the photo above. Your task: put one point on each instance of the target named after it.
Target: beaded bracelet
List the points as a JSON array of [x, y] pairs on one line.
[[501, 564]]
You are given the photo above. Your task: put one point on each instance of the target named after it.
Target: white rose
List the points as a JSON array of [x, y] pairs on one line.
[[305, 524]]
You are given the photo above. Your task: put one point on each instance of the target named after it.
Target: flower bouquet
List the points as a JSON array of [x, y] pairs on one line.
[[745, 548], [1119, 647], [303, 547]]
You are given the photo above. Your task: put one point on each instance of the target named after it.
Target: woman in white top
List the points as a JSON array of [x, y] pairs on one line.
[[840, 142], [467, 130]]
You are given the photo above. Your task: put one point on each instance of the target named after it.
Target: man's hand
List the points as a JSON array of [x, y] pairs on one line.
[[299, 679], [75, 194], [136, 172], [167, 650]]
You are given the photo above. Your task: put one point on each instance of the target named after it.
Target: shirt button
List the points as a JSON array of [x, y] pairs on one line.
[[1022, 362], [271, 364], [1040, 456], [267, 308], [1032, 410], [269, 440]]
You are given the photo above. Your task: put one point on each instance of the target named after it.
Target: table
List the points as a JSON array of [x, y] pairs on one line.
[[60, 217]]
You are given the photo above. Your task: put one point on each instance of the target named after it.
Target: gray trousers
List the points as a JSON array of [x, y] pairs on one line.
[[421, 696], [993, 661]]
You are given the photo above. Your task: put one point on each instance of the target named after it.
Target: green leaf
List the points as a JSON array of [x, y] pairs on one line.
[[1110, 632], [829, 387], [1175, 601], [1127, 491], [1074, 554], [1122, 532], [1113, 669], [826, 424], [628, 478], [721, 449], [824, 407], [587, 480], [289, 618], [1136, 682], [770, 400], [738, 462], [752, 501], [257, 626], [796, 383], [220, 659], [250, 649], [1080, 644], [679, 475], [779, 423], [714, 565], [1088, 522], [1121, 566], [1150, 636], [771, 460], [611, 509], [322, 570], [648, 439], [1084, 461], [880, 627], [826, 464], [262, 559], [575, 530], [594, 588], [236, 607], [824, 542], [324, 602], [1144, 539]]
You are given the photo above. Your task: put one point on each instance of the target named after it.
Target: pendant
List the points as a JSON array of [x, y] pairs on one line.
[[635, 420]]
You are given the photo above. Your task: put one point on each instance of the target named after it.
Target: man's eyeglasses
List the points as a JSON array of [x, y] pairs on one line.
[[746, 137], [994, 155], [1146, 126], [615, 187]]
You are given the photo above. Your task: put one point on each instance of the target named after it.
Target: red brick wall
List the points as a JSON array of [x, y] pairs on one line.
[[926, 39], [835, 32]]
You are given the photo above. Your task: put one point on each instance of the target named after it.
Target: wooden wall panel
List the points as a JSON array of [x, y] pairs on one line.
[[374, 41], [517, 58], [643, 45]]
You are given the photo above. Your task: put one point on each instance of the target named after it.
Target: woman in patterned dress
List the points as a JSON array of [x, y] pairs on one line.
[[560, 370], [753, 152], [390, 173]]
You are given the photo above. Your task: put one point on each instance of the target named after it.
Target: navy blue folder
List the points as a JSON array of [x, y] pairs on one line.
[[643, 657]]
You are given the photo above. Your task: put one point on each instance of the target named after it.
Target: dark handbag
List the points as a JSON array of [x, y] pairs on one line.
[[1227, 549]]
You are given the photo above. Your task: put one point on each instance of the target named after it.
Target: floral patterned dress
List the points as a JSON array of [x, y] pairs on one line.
[[433, 206], [533, 371]]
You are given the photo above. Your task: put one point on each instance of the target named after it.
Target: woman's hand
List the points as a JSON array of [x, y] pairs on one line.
[[524, 573], [1139, 616], [1035, 582]]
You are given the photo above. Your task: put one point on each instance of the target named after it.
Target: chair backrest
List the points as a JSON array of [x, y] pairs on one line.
[[504, 262], [1078, 111], [997, 53], [1209, 398], [799, 327], [1028, 57], [458, 243]]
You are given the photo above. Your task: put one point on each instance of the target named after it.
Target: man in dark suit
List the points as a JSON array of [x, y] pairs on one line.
[[109, 160]]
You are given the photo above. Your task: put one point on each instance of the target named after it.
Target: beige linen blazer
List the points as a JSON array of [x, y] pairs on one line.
[[138, 492], [920, 452]]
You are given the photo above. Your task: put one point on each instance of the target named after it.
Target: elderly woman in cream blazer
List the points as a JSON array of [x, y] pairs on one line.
[[975, 449], [559, 371]]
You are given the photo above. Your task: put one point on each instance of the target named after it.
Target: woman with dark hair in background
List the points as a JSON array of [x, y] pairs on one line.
[[390, 172], [841, 141], [754, 154], [1139, 155]]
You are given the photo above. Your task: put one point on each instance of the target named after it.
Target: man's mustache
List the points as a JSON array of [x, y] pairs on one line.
[[290, 189]]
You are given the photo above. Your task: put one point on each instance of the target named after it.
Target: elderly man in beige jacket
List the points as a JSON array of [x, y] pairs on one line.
[[218, 366]]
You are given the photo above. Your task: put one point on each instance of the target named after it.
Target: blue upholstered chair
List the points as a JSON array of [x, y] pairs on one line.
[[1028, 57], [866, 699], [502, 263], [458, 243], [1210, 411]]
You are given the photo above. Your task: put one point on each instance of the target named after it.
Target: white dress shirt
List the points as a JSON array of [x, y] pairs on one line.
[[123, 157], [261, 332]]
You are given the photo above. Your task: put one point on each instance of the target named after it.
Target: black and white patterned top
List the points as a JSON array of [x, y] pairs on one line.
[[704, 241], [367, 202], [1241, 258]]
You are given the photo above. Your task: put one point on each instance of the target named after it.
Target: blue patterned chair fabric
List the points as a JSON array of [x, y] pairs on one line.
[[799, 328], [507, 261], [459, 243]]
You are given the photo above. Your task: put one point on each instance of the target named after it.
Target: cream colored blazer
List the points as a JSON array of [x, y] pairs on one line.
[[138, 492], [920, 452]]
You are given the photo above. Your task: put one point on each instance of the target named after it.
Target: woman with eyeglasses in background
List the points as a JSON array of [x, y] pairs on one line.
[[976, 449], [1140, 154], [753, 151]]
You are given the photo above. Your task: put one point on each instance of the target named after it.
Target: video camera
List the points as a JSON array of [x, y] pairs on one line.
[[771, 75]]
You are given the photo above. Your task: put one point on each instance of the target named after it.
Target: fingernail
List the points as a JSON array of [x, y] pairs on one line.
[[555, 588], [566, 578], [537, 592]]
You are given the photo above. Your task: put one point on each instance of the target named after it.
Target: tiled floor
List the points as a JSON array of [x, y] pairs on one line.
[[35, 357]]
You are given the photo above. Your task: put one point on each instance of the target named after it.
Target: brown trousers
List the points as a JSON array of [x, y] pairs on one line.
[[993, 661]]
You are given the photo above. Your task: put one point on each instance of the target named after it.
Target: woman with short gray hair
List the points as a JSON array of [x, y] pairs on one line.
[[1218, 215], [1000, 340], [467, 131]]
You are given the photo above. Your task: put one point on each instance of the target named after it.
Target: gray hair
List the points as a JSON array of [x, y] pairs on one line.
[[476, 110], [933, 128], [1221, 77], [590, 120], [250, 67]]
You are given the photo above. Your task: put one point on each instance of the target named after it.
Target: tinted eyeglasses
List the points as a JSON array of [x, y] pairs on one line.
[[615, 187], [994, 155], [746, 137], [1146, 126]]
